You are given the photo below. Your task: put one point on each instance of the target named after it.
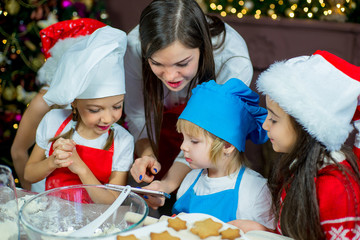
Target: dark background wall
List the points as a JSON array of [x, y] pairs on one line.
[[125, 14]]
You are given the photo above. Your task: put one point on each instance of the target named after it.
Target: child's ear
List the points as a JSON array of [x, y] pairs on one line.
[[228, 148]]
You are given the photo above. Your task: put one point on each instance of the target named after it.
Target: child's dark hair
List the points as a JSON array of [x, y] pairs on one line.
[[162, 23], [68, 135], [295, 173]]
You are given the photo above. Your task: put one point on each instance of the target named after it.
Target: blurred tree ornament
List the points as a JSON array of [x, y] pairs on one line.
[[12, 7], [9, 93], [249, 5], [30, 45], [7, 133], [88, 3], [3, 59], [51, 19], [80, 9], [38, 61], [13, 56], [22, 27], [294, 1], [66, 3], [24, 96]]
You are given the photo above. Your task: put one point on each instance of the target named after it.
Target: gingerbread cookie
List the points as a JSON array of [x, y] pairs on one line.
[[206, 228], [163, 235], [230, 233], [177, 224], [129, 237]]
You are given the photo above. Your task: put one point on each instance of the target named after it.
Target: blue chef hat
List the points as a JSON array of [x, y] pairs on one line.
[[230, 111]]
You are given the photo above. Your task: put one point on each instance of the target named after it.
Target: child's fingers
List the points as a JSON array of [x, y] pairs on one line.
[[61, 155], [62, 163], [154, 202], [64, 144]]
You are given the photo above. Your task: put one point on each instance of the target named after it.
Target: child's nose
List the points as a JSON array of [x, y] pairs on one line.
[[183, 147], [106, 117], [265, 125]]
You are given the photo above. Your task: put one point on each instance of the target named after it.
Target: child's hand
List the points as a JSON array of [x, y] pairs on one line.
[[144, 169], [77, 166], [152, 201], [63, 149]]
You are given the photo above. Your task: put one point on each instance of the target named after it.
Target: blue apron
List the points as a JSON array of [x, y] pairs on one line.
[[222, 205]]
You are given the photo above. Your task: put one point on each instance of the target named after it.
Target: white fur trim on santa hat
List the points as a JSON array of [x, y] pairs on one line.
[[48, 69], [320, 97]]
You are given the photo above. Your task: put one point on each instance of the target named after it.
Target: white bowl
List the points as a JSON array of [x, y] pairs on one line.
[[55, 213]]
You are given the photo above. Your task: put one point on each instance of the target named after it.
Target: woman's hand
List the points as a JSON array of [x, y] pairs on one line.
[[144, 169]]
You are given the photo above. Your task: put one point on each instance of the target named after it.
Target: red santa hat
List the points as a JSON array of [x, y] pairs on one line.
[[320, 91], [59, 37]]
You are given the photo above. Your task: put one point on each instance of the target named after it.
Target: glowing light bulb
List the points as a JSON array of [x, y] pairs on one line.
[[239, 15]]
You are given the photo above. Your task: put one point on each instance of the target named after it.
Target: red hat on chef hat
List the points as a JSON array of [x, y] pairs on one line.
[[67, 29], [320, 91], [59, 37]]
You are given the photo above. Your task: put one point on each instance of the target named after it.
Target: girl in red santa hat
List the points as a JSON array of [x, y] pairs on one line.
[[55, 40], [84, 144], [311, 102]]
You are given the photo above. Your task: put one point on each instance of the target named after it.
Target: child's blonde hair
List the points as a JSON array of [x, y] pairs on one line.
[[217, 144]]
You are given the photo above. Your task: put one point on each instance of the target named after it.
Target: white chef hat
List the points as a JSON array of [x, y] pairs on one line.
[[91, 68], [59, 37]]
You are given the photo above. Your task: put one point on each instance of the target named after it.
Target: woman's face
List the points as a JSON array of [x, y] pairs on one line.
[[175, 65], [279, 128]]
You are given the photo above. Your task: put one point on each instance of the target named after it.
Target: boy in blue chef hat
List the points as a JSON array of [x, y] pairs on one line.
[[215, 124]]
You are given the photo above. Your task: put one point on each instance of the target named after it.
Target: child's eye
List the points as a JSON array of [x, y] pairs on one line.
[[194, 141], [272, 120], [118, 107]]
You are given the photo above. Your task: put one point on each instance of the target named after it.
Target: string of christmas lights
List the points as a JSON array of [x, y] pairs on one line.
[[332, 10]]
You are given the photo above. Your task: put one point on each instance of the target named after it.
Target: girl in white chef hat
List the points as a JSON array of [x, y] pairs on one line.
[[85, 145]]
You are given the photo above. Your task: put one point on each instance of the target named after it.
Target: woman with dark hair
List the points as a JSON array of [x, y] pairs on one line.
[[177, 47]]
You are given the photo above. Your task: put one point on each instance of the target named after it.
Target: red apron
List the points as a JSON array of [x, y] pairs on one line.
[[170, 140], [99, 162]]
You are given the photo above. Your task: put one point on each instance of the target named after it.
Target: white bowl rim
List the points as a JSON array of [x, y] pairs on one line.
[[26, 223]]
